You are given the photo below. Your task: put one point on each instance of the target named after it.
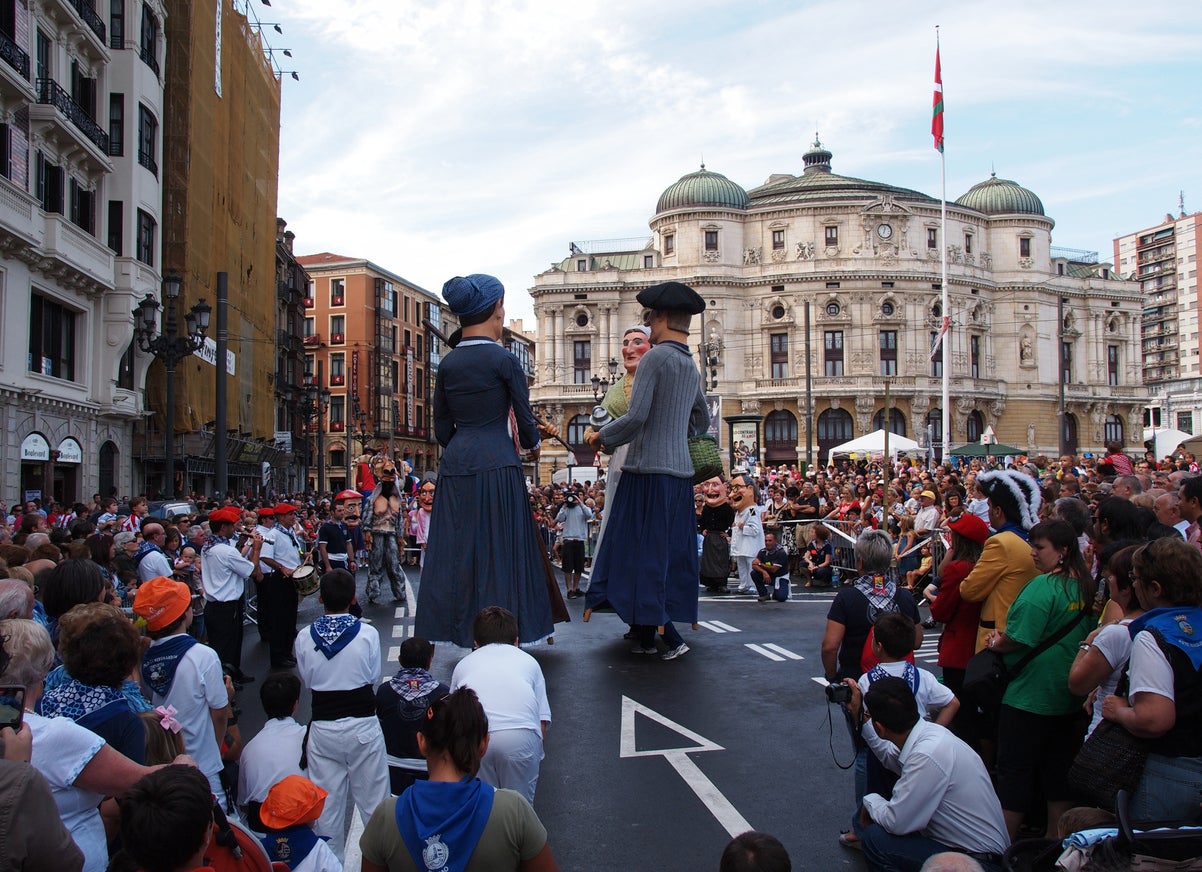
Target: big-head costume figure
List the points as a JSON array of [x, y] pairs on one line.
[[384, 528]]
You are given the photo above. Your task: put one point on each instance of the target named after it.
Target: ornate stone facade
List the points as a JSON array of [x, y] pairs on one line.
[[861, 268]]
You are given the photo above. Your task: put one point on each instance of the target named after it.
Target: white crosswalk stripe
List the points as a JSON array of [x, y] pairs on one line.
[[402, 611], [771, 655], [400, 631], [394, 653], [718, 627], [779, 650]]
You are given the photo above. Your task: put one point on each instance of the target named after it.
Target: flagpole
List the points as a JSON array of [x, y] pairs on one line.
[[937, 128]]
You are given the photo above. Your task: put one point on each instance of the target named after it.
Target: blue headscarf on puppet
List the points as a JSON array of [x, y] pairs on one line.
[[473, 294]]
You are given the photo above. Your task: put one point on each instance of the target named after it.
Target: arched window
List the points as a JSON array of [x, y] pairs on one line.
[[576, 427], [108, 469], [1070, 433], [834, 428], [780, 437], [975, 426], [897, 421], [1112, 430]]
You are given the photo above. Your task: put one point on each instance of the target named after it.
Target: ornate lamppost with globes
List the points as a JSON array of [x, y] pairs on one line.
[[601, 384], [170, 347]]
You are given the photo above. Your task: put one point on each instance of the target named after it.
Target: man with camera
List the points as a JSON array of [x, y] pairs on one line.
[[943, 799], [572, 524]]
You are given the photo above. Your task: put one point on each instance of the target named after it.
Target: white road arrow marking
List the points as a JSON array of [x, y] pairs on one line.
[[720, 807]]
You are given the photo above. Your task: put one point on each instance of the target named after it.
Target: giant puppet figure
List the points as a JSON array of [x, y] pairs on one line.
[[383, 529], [713, 522]]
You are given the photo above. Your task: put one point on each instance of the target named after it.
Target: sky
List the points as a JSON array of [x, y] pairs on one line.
[[446, 137]]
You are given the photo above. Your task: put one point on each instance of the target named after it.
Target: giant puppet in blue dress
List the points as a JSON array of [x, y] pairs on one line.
[[483, 549]]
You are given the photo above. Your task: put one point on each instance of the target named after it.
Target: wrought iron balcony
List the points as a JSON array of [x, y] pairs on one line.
[[12, 55], [90, 18], [146, 159], [148, 58], [51, 93]]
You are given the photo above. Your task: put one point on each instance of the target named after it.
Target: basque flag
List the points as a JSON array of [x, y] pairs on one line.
[[937, 105]]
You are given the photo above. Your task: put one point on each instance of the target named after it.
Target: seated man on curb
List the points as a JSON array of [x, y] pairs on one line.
[[943, 799], [510, 686]]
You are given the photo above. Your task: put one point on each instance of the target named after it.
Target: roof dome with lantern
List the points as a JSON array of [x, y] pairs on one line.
[[702, 188], [996, 196]]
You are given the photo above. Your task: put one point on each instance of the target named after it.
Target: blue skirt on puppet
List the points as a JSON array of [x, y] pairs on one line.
[[646, 569]]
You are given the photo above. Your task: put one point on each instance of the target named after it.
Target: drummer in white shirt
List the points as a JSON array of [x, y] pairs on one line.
[[278, 599]]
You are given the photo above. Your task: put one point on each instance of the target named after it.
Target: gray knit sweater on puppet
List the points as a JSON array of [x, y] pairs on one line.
[[666, 407]]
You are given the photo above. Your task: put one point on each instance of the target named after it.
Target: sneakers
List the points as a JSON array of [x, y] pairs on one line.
[[672, 653], [639, 649]]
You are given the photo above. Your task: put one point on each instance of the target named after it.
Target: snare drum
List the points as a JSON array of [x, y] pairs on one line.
[[306, 580]]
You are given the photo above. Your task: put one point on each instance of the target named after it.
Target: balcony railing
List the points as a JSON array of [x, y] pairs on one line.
[[337, 426], [338, 300], [146, 159], [91, 19], [337, 338], [313, 339], [51, 93], [148, 58], [12, 55], [308, 302], [337, 380]]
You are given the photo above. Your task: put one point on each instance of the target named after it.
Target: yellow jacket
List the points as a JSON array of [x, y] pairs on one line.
[[1004, 569]]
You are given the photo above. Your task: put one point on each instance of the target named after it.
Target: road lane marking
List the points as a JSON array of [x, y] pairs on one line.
[[727, 627], [759, 649], [400, 612], [713, 799], [779, 650], [400, 631], [394, 653]]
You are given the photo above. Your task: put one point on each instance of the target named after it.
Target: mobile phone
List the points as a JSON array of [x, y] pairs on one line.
[[12, 707]]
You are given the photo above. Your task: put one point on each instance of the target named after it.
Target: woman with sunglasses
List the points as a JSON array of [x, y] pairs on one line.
[[1164, 701]]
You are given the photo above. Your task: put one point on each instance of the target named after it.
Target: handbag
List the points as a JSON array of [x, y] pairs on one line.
[[1110, 760], [707, 461], [986, 676]]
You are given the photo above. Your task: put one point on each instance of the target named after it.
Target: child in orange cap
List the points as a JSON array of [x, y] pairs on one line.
[[288, 813]]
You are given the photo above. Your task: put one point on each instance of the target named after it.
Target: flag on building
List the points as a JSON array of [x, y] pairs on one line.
[[937, 106]]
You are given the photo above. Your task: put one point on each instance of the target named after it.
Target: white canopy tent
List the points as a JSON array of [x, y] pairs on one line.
[[874, 444], [1167, 440]]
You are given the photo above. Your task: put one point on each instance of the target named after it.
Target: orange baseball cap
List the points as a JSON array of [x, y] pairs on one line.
[[294, 800], [161, 601]]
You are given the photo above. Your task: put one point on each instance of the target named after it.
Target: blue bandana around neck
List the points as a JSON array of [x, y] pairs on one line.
[[88, 706], [332, 633], [910, 674], [144, 549], [290, 845], [161, 661], [1017, 529], [441, 821], [1179, 626], [214, 539]]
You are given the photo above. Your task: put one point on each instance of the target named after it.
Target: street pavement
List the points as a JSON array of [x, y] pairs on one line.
[[654, 765]]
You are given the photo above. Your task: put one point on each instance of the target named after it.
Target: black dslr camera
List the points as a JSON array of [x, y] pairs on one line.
[[838, 693]]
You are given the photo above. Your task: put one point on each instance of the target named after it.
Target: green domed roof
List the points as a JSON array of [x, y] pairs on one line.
[[702, 188], [996, 196]]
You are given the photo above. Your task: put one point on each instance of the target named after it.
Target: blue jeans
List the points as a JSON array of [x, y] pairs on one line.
[[886, 852], [1170, 789]]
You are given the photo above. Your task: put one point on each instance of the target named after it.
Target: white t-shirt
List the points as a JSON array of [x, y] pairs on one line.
[[154, 564], [267, 549], [61, 750], [510, 685], [198, 687], [1114, 643], [1150, 670], [224, 572], [268, 758]]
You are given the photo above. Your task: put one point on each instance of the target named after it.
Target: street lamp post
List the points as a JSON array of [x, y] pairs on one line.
[[170, 347], [312, 403], [601, 384]]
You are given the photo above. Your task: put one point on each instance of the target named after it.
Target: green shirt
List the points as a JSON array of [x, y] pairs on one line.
[[1045, 605], [512, 836]]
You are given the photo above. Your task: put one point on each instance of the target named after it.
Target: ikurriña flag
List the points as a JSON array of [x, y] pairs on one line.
[[937, 106]]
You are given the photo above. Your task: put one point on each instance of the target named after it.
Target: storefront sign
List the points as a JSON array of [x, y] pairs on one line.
[[35, 447], [69, 451]]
